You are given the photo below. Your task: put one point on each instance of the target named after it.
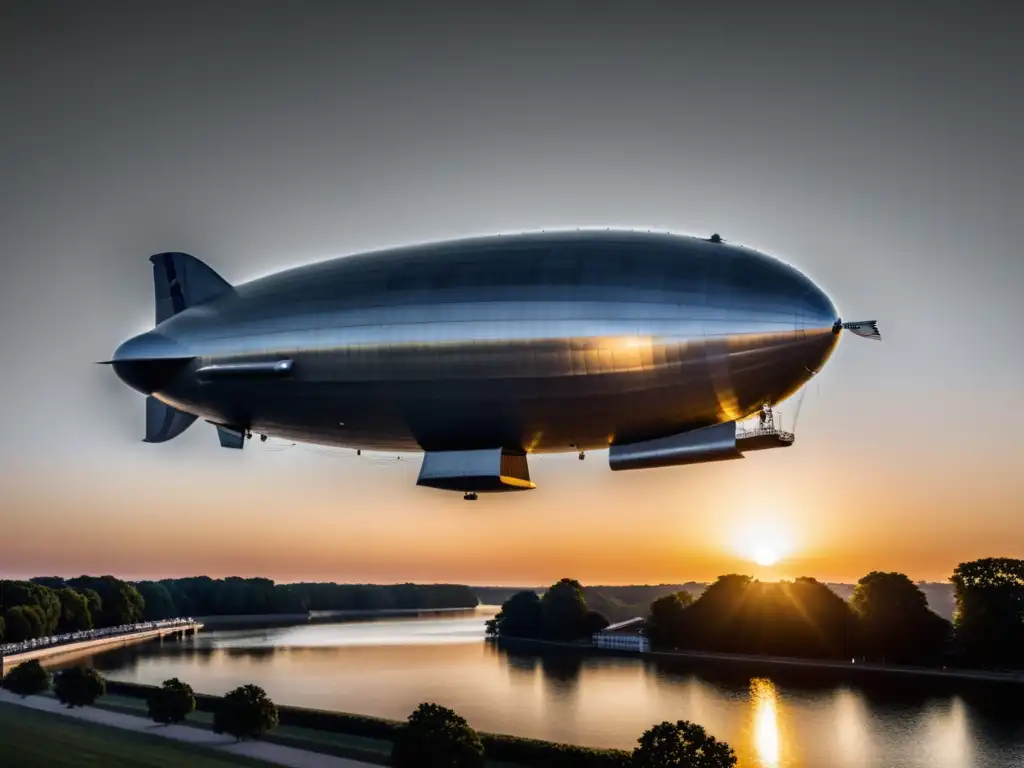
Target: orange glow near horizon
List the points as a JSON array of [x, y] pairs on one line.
[[299, 516]]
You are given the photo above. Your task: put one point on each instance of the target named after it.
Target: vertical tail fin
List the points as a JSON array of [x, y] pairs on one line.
[[181, 281]]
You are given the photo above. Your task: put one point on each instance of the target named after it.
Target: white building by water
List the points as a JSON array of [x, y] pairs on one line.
[[624, 636]]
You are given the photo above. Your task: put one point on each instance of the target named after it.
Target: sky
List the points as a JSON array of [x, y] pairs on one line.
[[875, 146]]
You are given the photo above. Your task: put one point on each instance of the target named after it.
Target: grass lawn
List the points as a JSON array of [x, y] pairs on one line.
[[29, 738]]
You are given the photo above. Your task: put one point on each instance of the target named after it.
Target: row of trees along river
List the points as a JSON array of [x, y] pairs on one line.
[[432, 737], [886, 619], [47, 605]]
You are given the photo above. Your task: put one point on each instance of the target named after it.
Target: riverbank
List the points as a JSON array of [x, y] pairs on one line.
[[774, 662]]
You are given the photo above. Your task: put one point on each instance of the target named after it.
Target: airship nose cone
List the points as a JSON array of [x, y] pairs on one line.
[[817, 325], [815, 310], [148, 362]]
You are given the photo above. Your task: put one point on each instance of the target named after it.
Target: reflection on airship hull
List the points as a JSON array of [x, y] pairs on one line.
[[528, 343]]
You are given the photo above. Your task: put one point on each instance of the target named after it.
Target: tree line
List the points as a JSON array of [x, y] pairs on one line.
[[432, 736], [50, 605], [886, 619]]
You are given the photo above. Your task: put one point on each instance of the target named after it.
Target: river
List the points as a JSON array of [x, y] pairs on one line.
[[800, 719]]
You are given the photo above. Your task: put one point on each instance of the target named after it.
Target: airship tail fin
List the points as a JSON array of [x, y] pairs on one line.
[[181, 281], [868, 329], [164, 422]]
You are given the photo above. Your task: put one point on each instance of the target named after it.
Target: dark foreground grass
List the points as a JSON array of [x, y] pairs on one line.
[[375, 751], [30, 739]]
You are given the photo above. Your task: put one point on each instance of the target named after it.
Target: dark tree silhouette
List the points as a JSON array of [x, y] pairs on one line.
[[245, 713], [665, 624], [27, 679], [436, 737], [895, 623], [172, 702], [78, 686], [681, 745], [157, 600], [989, 616], [520, 616], [593, 622], [737, 614], [564, 611]]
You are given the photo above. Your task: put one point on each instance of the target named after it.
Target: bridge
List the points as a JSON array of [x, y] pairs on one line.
[[12, 654]]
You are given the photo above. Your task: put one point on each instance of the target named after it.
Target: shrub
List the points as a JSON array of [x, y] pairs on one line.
[[27, 679], [682, 745], [79, 686], [172, 702], [245, 713], [437, 737]]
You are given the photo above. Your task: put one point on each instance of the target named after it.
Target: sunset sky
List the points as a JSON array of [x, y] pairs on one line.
[[877, 150]]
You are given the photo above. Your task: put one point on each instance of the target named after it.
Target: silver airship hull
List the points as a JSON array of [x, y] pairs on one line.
[[527, 344]]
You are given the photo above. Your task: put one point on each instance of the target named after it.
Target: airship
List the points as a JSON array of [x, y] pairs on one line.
[[479, 352]]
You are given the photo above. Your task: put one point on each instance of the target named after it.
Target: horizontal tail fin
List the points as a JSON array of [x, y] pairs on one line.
[[181, 281], [164, 422], [868, 329]]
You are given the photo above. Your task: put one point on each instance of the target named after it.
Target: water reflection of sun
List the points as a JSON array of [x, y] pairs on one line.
[[766, 721]]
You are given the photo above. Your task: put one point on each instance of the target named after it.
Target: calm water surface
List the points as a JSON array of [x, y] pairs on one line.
[[386, 667]]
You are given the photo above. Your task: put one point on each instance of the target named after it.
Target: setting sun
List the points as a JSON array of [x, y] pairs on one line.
[[765, 555], [765, 543]]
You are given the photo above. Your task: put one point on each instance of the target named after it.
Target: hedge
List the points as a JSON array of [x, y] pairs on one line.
[[549, 754], [532, 753]]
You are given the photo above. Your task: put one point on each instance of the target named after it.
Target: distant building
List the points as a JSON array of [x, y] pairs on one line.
[[624, 636]]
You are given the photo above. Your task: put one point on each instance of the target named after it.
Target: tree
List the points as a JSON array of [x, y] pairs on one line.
[[520, 616], [78, 686], [121, 602], [593, 622], [3, 629], [25, 593], [245, 713], [53, 582], [23, 622], [563, 611], [74, 611], [27, 679], [989, 617], [158, 601], [665, 624], [436, 737], [94, 603], [681, 745], [286, 599], [895, 623], [172, 702], [737, 614]]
